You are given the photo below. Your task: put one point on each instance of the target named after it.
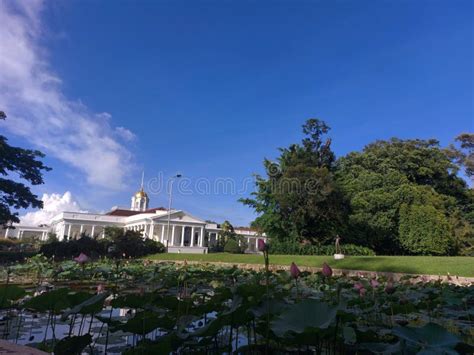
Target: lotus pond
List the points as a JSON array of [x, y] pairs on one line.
[[139, 307]]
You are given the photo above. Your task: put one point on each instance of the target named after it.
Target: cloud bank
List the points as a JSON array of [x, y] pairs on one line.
[[38, 111], [52, 205]]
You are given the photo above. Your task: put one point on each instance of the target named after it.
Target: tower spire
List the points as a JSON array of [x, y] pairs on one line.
[[140, 199]]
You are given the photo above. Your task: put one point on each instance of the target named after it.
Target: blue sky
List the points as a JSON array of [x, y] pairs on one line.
[[210, 88]]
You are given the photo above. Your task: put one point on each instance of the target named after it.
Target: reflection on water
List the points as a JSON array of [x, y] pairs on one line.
[[26, 328], [30, 329]]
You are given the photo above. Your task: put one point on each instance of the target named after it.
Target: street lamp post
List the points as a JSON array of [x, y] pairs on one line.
[[177, 176]]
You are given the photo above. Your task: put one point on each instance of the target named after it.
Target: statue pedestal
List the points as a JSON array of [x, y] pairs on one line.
[[338, 256]]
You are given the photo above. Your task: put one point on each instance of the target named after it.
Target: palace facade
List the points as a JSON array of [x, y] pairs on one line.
[[180, 231]]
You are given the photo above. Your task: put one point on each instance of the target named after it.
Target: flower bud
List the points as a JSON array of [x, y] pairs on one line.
[[294, 271], [327, 271]]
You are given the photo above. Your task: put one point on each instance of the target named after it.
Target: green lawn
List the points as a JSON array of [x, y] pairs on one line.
[[429, 265]]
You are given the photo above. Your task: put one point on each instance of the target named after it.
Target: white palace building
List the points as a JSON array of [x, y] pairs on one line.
[[186, 233]]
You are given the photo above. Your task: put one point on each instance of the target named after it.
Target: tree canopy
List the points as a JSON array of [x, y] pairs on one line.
[[394, 196], [298, 198], [27, 165]]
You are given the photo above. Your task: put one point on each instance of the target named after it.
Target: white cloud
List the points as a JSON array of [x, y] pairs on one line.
[[37, 109], [125, 133], [52, 205]]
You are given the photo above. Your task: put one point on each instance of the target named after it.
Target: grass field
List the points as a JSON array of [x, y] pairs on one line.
[[429, 265]]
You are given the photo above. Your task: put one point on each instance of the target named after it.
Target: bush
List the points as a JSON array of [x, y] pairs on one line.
[[232, 246], [424, 230], [6, 243], [295, 248], [132, 244], [70, 248], [7, 257], [128, 244], [29, 244]]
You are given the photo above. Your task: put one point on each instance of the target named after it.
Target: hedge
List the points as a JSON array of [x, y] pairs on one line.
[[232, 246], [129, 244], [292, 248], [7, 257]]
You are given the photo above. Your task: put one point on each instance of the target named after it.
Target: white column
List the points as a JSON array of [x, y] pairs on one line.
[[256, 244], [103, 232], [69, 231], [183, 228], [201, 237], [6, 232], [192, 236], [162, 238], [93, 231], [172, 235], [152, 230], [82, 229]]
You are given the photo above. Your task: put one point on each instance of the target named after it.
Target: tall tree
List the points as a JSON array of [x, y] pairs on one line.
[[16, 195], [462, 152], [298, 197], [389, 174]]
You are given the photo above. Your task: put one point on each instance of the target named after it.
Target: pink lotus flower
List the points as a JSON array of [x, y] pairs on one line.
[[81, 259], [327, 271], [374, 283], [262, 246], [100, 288], [294, 271], [389, 288], [362, 292], [358, 286]]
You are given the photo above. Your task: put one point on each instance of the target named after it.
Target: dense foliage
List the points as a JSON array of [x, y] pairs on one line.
[[424, 230], [141, 308], [394, 197], [13, 194], [232, 246], [299, 198], [405, 197], [287, 247], [117, 244]]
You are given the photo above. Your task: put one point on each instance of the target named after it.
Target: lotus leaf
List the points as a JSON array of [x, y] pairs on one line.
[[304, 316]]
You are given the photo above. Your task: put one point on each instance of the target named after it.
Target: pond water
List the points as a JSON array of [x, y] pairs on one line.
[[30, 329], [209, 309], [26, 328]]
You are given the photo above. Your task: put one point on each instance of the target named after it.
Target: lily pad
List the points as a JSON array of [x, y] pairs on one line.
[[72, 345], [431, 335], [303, 316]]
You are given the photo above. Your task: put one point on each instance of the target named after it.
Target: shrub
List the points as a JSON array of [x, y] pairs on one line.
[[294, 248], [129, 244], [424, 230], [7, 257], [132, 244], [70, 248], [6, 243], [232, 246]]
